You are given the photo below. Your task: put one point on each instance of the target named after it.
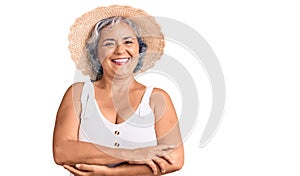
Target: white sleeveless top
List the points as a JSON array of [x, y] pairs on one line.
[[137, 131]]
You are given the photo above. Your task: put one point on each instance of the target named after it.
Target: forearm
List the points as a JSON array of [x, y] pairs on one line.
[[142, 170], [134, 170], [74, 152], [162, 165]]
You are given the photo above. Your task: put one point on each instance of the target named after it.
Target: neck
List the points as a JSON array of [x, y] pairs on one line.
[[117, 84]]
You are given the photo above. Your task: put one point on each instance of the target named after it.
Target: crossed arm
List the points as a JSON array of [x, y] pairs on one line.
[[83, 158]]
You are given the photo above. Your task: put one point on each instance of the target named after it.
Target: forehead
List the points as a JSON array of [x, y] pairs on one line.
[[116, 30]]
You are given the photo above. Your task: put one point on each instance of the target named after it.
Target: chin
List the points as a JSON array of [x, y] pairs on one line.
[[124, 73]]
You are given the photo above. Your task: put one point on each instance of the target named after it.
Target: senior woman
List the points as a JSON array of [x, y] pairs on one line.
[[112, 124]]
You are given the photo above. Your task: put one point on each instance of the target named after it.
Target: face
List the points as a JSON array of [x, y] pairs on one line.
[[118, 50]]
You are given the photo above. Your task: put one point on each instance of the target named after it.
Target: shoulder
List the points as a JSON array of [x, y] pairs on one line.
[[74, 91], [71, 101], [163, 108], [159, 97], [75, 87], [158, 92]]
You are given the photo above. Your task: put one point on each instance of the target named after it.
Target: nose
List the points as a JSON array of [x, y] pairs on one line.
[[120, 49]]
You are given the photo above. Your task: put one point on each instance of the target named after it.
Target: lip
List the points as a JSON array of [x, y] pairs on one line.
[[120, 61]]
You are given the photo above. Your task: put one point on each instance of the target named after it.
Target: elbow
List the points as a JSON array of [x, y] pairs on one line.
[[178, 165], [58, 161], [179, 162], [58, 155], [175, 167]]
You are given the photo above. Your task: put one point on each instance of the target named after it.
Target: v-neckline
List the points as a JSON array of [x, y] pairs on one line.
[[125, 121]]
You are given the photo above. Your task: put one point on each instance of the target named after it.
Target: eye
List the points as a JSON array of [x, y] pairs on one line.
[[127, 42], [110, 43]]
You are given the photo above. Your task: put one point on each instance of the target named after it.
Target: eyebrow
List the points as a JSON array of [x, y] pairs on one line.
[[128, 38], [125, 38], [109, 39]]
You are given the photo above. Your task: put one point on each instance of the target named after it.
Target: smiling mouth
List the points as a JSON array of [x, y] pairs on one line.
[[120, 61]]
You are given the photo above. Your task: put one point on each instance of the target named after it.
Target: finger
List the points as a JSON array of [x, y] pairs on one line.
[[74, 171], [168, 158], [161, 163], [68, 167], [161, 154], [153, 167], [85, 167]]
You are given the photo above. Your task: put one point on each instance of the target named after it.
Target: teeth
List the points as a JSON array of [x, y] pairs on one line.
[[120, 60]]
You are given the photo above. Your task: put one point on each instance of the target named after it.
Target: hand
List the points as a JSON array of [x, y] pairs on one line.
[[160, 161], [88, 170], [149, 153], [152, 156]]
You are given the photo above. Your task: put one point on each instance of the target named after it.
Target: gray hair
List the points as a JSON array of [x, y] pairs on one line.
[[93, 40]]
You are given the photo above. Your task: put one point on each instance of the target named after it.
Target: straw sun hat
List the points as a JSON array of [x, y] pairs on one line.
[[149, 30]]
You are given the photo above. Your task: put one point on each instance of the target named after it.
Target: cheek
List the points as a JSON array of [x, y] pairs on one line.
[[104, 53], [134, 51]]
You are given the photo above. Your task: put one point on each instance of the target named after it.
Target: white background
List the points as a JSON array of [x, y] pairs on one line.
[[257, 43]]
